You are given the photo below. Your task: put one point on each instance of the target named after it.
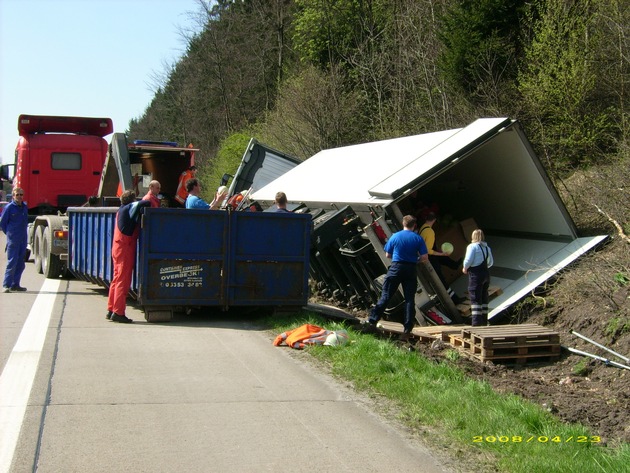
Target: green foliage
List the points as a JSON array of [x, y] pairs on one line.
[[314, 74], [558, 81], [481, 45], [228, 158], [622, 279], [581, 368], [315, 111], [453, 355], [328, 31], [617, 326]]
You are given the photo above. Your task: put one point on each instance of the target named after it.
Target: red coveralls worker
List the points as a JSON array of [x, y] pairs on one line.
[[126, 234]]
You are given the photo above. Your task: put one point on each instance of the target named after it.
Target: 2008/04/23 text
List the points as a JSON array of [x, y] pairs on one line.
[[536, 438]]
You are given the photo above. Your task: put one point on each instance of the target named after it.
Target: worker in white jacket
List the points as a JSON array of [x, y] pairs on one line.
[[477, 262]]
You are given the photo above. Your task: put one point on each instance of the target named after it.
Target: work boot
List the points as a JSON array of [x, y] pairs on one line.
[[367, 326], [121, 319], [405, 336]]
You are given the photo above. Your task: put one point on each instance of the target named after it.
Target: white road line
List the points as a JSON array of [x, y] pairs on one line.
[[17, 377]]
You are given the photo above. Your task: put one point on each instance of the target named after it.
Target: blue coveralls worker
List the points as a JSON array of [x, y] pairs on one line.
[[406, 249], [477, 262], [14, 223]]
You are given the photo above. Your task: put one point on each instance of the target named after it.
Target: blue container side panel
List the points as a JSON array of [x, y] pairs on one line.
[[267, 283], [91, 231], [269, 259], [104, 251], [270, 234], [184, 232], [182, 257], [216, 258]]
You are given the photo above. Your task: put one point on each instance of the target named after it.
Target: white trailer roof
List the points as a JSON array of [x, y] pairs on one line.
[[346, 174], [377, 172]]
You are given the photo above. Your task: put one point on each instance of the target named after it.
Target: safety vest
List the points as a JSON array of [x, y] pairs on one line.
[[182, 193], [302, 336]]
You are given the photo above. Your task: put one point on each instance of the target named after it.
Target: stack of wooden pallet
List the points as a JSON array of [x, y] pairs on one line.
[[497, 343], [508, 343]]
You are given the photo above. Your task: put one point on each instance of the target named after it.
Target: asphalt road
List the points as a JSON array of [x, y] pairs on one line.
[[207, 393]]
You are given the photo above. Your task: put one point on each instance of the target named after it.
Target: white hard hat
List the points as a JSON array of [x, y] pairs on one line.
[[340, 337]]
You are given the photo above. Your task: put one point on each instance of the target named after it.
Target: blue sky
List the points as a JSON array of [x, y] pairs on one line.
[[94, 58]]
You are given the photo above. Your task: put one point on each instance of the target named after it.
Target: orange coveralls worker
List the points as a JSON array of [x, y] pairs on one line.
[[126, 234], [181, 194]]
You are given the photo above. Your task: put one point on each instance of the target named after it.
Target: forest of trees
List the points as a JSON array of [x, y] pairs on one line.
[[306, 75]]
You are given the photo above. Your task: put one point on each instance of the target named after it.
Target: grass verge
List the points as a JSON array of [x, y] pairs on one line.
[[513, 434]]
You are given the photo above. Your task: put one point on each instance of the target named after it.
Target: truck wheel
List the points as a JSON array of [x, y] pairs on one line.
[[51, 264], [37, 249]]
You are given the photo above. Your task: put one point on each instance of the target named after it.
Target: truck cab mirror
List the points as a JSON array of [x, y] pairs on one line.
[[226, 177], [5, 173]]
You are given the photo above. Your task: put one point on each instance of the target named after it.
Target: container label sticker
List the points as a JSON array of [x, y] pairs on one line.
[[181, 276]]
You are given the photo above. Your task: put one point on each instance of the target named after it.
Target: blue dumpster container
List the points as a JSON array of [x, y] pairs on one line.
[[200, 257]]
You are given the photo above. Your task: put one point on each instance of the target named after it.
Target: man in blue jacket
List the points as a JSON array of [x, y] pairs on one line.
[[14, 223]]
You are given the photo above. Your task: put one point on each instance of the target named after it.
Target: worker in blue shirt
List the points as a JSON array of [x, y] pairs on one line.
[[193, 201], [406, 249], [14, 223]]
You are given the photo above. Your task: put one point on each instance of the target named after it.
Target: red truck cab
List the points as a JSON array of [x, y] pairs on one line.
[[59, 160]]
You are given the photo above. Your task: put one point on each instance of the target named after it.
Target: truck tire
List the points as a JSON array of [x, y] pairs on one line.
[[37, 249], [51, 264]]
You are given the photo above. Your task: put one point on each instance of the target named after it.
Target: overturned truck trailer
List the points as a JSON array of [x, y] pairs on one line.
[[485, 175]]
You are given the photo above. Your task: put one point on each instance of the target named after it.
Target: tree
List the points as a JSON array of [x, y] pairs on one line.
[[558, 82], [482, 49], [314, 112]]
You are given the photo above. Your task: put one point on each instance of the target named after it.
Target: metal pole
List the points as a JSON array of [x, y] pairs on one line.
[[600, 358], [624, 358]]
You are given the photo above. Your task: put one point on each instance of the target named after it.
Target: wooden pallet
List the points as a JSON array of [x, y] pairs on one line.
[[442, 332], [513, 343], [423, 334]]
